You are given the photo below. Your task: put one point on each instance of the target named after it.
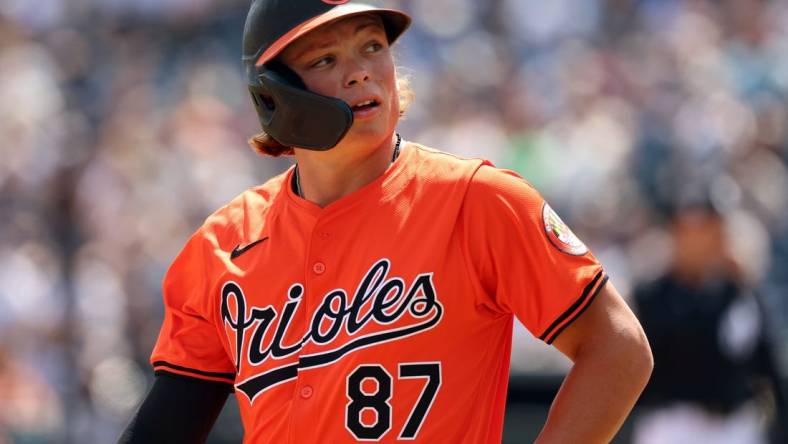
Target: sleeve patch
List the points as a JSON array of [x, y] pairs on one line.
[[559, 233]]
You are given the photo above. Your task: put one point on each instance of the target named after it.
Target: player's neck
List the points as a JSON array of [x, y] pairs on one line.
[[325, 177]]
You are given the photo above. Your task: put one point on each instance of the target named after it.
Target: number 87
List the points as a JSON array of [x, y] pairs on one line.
[[378, 401]]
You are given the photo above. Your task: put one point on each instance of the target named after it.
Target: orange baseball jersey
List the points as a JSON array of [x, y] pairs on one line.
[[386, 316]]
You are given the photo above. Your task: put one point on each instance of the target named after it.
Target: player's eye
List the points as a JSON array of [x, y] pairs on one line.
[[322, 61], [373, 46]]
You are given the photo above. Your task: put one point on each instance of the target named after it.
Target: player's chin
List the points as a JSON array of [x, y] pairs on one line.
[[367, 134]]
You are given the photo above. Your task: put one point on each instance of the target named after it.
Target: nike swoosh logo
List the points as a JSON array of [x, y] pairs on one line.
[[239, 250]]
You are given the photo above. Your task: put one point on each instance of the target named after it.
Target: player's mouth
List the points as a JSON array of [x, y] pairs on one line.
[[366, 108]]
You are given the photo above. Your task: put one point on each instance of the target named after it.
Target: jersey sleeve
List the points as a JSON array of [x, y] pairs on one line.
[[528, 262], [189, 342]]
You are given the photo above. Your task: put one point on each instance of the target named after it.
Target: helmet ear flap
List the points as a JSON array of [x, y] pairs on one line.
[[262, 96], [294, 116]]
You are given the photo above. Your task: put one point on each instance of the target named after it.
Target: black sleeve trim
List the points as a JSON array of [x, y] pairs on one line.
[[579, 307], [229, 376]]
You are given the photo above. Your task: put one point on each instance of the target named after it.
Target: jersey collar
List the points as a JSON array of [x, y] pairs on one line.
[[382, 189]]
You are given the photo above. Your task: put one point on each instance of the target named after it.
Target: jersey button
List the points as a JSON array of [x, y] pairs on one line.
[[319, 268], [307, 391], [324, 235]]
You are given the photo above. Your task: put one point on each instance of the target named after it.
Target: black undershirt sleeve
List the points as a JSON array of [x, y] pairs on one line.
[[178, 409]]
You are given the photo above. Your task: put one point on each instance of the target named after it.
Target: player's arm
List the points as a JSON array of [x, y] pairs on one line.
[[612, 364], [177, 409]]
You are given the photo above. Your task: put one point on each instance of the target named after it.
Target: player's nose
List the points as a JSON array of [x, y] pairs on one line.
[[357, 73]]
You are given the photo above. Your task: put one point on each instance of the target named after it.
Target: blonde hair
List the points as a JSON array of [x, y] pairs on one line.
[[262, 143]]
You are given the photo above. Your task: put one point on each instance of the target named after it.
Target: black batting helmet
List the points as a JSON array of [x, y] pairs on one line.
[[288, 112]]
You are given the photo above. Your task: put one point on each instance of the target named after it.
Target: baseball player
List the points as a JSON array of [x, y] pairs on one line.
[[368, 293]]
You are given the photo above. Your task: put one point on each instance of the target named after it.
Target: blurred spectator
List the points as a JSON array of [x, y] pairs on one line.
[[715, 378], [30, 411]]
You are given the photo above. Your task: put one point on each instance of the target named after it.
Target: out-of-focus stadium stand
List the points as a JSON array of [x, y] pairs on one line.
[[123, 124]]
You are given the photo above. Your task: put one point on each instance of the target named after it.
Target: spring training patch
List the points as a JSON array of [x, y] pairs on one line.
[[559, 233]]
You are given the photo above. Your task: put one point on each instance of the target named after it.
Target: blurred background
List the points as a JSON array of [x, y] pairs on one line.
[[658, 129]]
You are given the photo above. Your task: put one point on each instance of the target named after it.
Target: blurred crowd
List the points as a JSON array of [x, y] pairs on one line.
[[123, 124]]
